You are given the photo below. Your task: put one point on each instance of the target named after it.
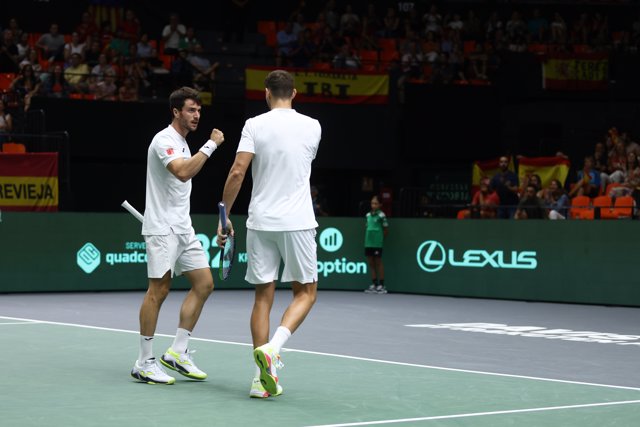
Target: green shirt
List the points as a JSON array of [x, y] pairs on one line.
[[376, 223]]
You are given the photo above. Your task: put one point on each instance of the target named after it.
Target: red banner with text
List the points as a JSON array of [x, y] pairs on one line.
[[29, 182], [326, 86]]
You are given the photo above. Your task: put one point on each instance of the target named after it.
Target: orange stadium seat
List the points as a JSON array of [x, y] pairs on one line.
[[387, 45], [269, 30], [13, 147], [581, 208], [605, 204], [623, 207]]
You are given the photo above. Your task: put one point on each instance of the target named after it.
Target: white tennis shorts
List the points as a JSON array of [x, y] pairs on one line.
[[175, 252], [297, 249]]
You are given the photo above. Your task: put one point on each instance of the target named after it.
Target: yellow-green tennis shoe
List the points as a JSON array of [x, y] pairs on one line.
[[258, 391], [151, 372], [268, 362], [182, 364]]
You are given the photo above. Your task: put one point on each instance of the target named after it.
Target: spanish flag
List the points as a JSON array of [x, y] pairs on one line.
[[548, 168], [325, 86], [576, 71]]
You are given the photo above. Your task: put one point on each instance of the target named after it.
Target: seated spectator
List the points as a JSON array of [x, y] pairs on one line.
[[616, 170], [484, 203], [172, 33], [106, 89], [23, 47], [6, 122], [145, 49], [432, 20], [588, 183], [531, 179], [130, 26], [286, 40], [74, 46], [8, 53], [558, 29], [25, 85], [531, 206], [77, 74], [32, 59], [328, 45], [303, 51], [631, 184], [92, 54], [87, 27], [55, 85], [103, 67], [600, 158], [538, 26], [346, 59], [52, 44], [556, 200], [119, 43], [431, 48], [391, 24], [128, 92], [204, 72], [349, 22], [189, 41], [181, 69]]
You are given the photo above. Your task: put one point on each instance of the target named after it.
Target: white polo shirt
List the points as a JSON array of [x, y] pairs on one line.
[[167, 199], [284, 143]]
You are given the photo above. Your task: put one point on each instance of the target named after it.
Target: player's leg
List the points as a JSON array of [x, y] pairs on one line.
[[262, 270], [298, 251], [161, 252], [150, 309], [261, 312], [201, 282], [193, 262], [146, 367], [304, 297]]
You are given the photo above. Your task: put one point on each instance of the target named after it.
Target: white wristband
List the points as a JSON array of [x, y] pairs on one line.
[[208, 148]]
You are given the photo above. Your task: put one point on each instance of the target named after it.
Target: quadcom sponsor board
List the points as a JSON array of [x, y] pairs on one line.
[[72, 251]]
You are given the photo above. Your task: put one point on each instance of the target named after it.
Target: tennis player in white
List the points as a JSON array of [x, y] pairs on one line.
[[281, 145], [172, 246]]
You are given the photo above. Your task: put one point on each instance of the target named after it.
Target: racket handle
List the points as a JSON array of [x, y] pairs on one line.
[[132, 211], [222, 209]]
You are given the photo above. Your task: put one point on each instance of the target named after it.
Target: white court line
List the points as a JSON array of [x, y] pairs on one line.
[[35, 322], [341, 356], [478, 414]]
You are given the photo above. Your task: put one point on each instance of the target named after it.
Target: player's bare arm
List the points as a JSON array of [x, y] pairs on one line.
[[232, 188], [185, 169]]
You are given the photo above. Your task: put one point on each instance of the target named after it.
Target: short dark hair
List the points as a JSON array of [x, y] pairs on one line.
[[178, 96], [280, 84]]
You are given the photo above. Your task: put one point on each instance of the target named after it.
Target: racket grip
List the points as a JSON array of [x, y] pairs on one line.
[[132, 211], [222, 209]]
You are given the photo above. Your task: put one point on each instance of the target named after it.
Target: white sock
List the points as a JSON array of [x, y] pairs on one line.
[[146, 348], [181, 341], [280, 338]]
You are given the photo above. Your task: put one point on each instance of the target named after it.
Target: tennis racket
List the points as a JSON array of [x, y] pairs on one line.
[[226, 258], [133, 211]]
